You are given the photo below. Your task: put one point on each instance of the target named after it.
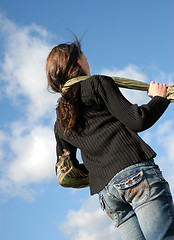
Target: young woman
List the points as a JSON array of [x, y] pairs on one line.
[[95, 117]]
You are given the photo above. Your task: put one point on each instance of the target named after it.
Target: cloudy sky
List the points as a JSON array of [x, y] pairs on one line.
[[133, 39]]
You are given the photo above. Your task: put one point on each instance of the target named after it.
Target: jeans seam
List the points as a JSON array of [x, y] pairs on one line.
[[109, 211]]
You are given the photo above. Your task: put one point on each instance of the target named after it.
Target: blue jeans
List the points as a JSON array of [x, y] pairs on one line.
[[139, 202]]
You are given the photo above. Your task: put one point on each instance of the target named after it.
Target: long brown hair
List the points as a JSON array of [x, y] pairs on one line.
[[60, 67]]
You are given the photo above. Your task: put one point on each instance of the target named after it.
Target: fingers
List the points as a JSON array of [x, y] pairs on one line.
[[157, 89], [158, 84]]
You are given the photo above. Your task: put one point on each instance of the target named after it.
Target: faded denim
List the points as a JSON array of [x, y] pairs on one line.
[[139, 202]]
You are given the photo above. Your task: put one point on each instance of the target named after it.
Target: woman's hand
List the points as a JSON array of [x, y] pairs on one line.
[[157, 89]]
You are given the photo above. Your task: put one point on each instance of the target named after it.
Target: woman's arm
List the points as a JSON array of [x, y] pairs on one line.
[[62, 145], [137, 118]]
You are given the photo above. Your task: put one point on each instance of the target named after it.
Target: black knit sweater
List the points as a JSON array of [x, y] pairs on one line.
[[109, 140]]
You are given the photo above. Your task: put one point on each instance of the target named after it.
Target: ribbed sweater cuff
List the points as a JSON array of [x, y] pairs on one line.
[[163, 102], [158, 105]]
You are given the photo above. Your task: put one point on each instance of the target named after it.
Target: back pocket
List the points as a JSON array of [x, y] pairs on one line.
[[133, 188]]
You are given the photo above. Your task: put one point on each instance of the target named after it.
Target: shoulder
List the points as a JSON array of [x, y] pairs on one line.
[[100, 78], [95, 80], [97, 85]]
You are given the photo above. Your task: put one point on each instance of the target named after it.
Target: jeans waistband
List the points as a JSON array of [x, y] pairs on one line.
[[145, 163], [149, 162]]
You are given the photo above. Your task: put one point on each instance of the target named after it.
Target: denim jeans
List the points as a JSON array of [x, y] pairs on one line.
[[139, 202]]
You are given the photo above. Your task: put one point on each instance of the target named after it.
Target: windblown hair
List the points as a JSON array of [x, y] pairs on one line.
[[60, 67]]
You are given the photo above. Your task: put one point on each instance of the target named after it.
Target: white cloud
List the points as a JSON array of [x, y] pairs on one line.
[[89, 222], [35, 156], [23, 68], [31, 159], [27, 148]]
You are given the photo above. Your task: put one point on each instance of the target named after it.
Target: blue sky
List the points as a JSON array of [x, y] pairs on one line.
[[133, 39]]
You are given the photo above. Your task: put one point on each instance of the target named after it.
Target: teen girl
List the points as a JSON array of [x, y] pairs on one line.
[[95, 117]]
